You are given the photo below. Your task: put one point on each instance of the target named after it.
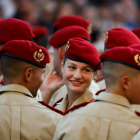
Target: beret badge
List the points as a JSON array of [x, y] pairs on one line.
[[38, 55], [106, 37], [137, 59], [67, 46]]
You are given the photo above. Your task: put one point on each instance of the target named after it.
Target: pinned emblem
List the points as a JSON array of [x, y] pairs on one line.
[[137, 59], [89, 28], [67, 46], [38, 55], [106, 37]]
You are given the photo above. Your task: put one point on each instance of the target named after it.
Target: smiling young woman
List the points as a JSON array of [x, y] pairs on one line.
[[79, 67]]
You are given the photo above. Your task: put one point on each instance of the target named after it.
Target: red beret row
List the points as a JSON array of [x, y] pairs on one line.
[[77, 49]]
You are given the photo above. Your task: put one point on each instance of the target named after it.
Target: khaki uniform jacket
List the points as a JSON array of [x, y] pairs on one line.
[[22, 117], [62, 91], [86, 97], [108, 118]]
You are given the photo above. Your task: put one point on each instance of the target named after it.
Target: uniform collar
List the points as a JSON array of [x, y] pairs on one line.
[[113, 98], [15, 88], [86, 97]]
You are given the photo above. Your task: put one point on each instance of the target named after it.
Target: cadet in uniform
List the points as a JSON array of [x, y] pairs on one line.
[[110, 116], [11, 29], [22, 117], [78, 72], [114, 38], [58, 41]]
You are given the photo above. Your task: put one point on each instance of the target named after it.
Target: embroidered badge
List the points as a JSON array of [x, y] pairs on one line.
[[67, 46], [38, 55], [106, 37], [89, 28], [137, 59]]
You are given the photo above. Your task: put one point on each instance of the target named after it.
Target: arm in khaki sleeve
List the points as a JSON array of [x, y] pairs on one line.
[[137, 136], [76, 127], [50, 84]]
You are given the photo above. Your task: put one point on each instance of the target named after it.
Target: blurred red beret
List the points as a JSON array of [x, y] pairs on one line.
[[40, 31], [80, 50], [120, 37], [70, 20], [26, 51], [63, 35], [14, 29], [136, 31], [129, 56]]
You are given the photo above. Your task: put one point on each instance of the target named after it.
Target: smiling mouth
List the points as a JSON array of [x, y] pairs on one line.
[[76, 83]]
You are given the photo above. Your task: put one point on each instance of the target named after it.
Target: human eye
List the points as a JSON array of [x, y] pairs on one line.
[[71, 67], [87, 70]]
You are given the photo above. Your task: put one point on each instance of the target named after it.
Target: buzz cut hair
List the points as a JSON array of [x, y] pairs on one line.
[[13, 68], [113, 72]]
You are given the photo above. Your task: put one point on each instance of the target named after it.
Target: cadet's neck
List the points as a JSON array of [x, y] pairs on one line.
[[116, 90], [72, 97]]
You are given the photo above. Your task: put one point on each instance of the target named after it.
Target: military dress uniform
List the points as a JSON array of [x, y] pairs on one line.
[[109, 117], [22, 117], [85, 98], [62, 91]]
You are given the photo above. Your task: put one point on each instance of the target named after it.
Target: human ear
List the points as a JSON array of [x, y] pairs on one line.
[[125, 82], [28, 74]]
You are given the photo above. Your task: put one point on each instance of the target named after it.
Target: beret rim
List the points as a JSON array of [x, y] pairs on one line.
[[121, 62], [22, 59], [78, 60]]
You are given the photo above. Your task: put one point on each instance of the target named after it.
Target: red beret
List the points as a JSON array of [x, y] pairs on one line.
[[120, 37], [129, 56], [80, 50], [26, 51], [40, 31], [14, 29], [136, 32], [63, 35], [70, 20]]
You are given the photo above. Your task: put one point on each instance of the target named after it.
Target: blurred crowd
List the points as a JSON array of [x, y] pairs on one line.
[[103, 14]]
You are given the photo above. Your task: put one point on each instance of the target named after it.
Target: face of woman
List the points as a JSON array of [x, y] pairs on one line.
[[77, 76]]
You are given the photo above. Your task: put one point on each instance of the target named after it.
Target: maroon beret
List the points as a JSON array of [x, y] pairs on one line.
[[136, 31], [129, 56], [63, 35], [26, 51], [120, 37], [14, 29], [70, 20], [40, 31], [80, 50]]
